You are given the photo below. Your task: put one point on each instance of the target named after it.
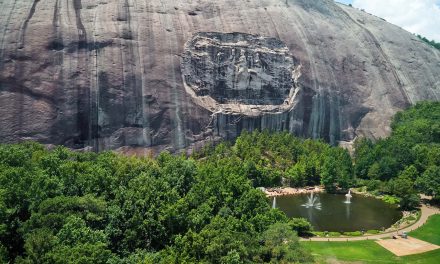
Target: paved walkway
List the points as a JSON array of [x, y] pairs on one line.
[[406, 246], [425, 213]]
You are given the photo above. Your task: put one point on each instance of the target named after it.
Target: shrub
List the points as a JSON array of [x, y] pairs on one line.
[[301, 226], [360, 183], [334, 234], [373, 185], [318, 233], [390, 199], [355, 233], [410, 218]]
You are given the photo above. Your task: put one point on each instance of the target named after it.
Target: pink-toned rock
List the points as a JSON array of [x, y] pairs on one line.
[[284, 191], [109, 75]]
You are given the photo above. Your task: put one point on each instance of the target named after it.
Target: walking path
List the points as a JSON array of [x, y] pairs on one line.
[[425, 213]]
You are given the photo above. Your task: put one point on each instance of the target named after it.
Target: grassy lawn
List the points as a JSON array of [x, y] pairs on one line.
[[371, 252], [364, 252], [430, 232]]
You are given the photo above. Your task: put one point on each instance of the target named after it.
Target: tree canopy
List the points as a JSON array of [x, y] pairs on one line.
[[406, 163], [60, 206]]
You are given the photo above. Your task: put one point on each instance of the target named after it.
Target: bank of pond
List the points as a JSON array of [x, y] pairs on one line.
[[335, 215]]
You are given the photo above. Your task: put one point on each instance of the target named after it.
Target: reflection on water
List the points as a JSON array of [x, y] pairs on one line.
[[347, 210], [335, 214]]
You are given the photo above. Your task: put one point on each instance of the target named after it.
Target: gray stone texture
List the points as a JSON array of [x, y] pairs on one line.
[[110, 74]]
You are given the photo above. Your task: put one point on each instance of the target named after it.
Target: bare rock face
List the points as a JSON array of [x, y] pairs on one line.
[[157, 74]]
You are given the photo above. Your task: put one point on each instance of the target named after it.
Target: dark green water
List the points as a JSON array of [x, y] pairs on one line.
[[363, 213]]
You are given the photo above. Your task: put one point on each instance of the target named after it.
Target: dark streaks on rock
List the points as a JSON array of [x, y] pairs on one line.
[[2, 49], [10, 85], [82, 34], [76, 46], [25, 24], [84, 116], [20, 57], [107, 75], [305, 109], [56, 44], [148, 60], [132, 82]]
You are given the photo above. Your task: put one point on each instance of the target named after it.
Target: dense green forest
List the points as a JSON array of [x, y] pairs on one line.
[[60, 206], [275, 159], [407, 162]]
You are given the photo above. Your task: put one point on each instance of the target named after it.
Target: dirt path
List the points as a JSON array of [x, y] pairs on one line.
[[426, 212]]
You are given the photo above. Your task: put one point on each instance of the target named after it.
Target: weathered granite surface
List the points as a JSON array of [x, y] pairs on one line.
[[114, 74], [238, 68]]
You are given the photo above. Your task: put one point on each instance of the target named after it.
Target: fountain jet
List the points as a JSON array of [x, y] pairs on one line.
[[313, 202], [348, 197]]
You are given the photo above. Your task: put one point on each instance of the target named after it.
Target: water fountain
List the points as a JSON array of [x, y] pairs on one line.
[[312, 202], [348, 197], [330, 212], [274, 202]]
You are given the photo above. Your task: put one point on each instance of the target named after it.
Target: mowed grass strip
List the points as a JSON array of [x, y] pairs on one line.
[[425, 258], [371, 252], [364, 252], [430, 231]]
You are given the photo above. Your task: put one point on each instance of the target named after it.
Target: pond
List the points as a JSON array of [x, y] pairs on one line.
[[331, 212]]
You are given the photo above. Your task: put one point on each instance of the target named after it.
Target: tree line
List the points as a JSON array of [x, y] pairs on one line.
[[61, 206], [430, 42]]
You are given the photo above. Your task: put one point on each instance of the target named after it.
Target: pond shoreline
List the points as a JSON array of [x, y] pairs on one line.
[[284, 191], [407, 218], [425, 213]]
